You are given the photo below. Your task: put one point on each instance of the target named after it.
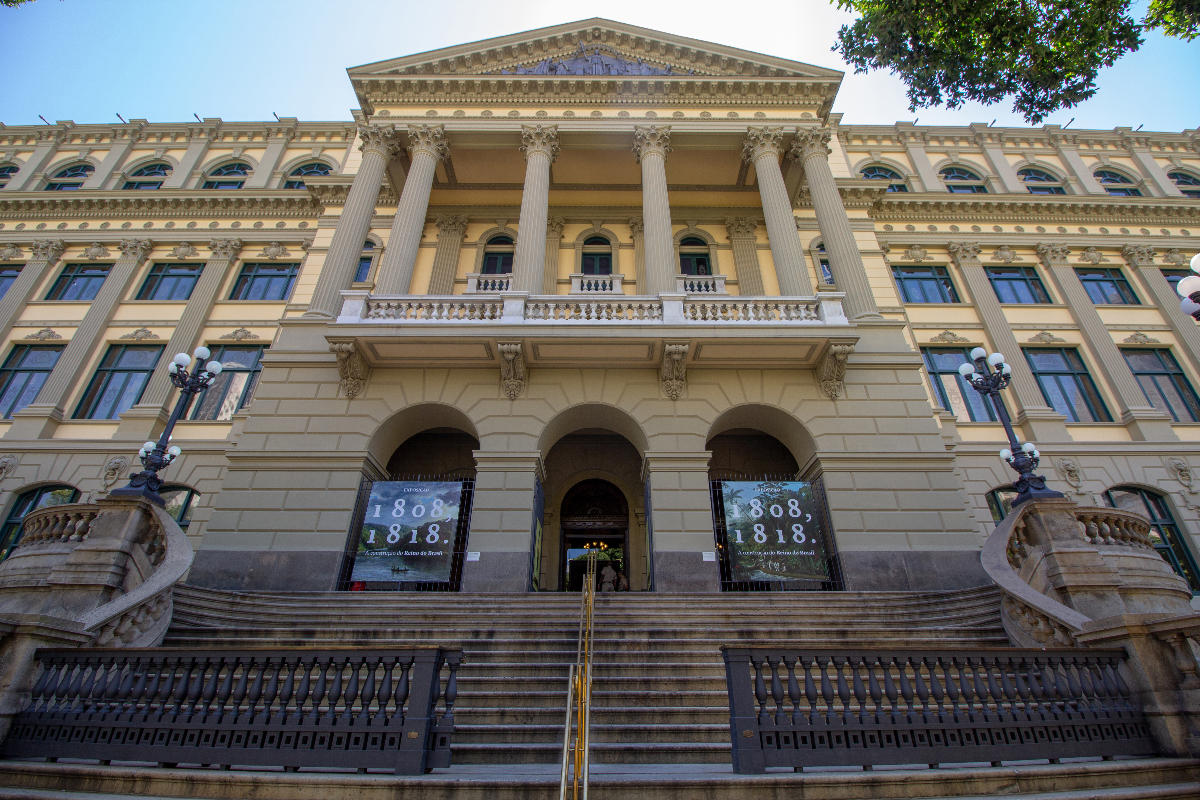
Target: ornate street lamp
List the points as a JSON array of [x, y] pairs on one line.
[[988, 375], [158, 455], [1189, 290]]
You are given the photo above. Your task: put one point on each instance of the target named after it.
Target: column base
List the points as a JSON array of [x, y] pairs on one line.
[[685, 571], [1148, 425], [142, 423], [35, 422], [1043, 425]]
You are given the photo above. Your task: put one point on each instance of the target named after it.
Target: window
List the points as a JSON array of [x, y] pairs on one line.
[[177, 501], [170, 282], [498, 256], [1116, 184], [296, 177], [1164, 383], [951, 389], [1106, 286], [693, 256], [44, 497], [70, 178], [1000, 502], [6, 173], [925, 285], [118, 382], [366, 259], [227, 176], [265, 281], [597, 256], [962, 181], [1174, 276], [1017, 285], [823, 264], [877, 173], [22, 376], [1039, 181], [234, 387], [150, 171], [1188, 184], [8, 275], [1165, 533], [78, 282], [1066, 385]]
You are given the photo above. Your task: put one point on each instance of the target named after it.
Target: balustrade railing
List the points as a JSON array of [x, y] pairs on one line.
[[757, 310], [568, 310], [66, 523], [354, 709], [811, 707], [479, 283], [433, 309], [700, 284], [596, 284]]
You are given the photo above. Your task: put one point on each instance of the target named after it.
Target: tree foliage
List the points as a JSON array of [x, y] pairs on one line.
[[1045, 54]]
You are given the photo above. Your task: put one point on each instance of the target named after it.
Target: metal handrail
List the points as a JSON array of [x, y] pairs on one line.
[[575, 762]]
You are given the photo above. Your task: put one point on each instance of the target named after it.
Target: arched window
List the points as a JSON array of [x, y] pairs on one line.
[[1188, 184], [144, 177], [597, 256], [693, 256], [227, 176], [1165, 534], [70, 178], [41, 497], [1038, 181], [6, 173], [1000, 502], [366, 260], [296, 177], [498, 256], [962, 181], [177, 501], [878, 173], [1116, 184]]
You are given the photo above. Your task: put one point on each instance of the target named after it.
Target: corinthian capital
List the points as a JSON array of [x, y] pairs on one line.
[[812, 142], [651, 139], [964, 252], [380, 139], [741, 227], [1053, 254], [429, 139], [539, 139], [135, 250], [48, 250], [451, 225], [1138, 255], [225, 248], [760, 142]]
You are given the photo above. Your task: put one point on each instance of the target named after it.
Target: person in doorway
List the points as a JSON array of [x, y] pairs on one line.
[[608, 578], [622, 582]]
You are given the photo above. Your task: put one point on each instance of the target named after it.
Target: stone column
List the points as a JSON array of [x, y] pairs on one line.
[[681, 522], [378, 145], [539, 143], [651, 145], [812, 147], [554, 229], [1141, 263], [761, 148], [1145, 422], [991, 142], [123, 140], [638, 230], [43, 151], [445, 258], [46, 253], [1067, 145], [1154, 176], [278, 138], [501, 522], [200, 136], [427, 146], [741, 232], [914, 145]]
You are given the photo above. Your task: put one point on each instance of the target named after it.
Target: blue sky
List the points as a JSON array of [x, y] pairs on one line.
[[88, 60]]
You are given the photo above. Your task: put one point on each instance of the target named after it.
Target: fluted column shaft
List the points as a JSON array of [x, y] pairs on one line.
[[554, 230], [445, 258], [637, 229], [1186, 330], [540, 145], [812, 145], [46, 253], [761, 148], [378, 146], [741, 232], [651, 145], [427, 146]]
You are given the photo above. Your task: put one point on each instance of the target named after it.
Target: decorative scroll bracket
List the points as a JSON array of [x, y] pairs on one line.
[[513, 375], [674, 369], [353, 370], [831, 371]]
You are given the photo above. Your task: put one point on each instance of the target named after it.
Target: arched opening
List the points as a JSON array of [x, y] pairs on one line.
[[594, 517], [1166, 534], [55, 494]]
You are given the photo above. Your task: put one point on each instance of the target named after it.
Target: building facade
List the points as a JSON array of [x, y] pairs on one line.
[[586, 273]]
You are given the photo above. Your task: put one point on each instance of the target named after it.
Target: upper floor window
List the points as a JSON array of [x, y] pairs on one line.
[[1017, 285], [1066, 384], [119, 381], [1188, 183], [1000, 502], [42, 497], [6, 173], [296, 177], [920, 284], [170, 281], [1106, 286], [265, 281], [498, 255], [366, 260], [597, 256], [962, 181], [148, 177], [694, 257], [23, 373], [78, 282], [823, 264], [1116, 184], [1038, 181], [1174, 276], [1165, 534], [8, 276], [70, 178], [178, 502], [234, 387], [1164, 383], [878, 173], [951, 389], [227, 176]]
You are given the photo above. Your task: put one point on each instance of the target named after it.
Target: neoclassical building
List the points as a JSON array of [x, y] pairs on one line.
[[583, 278]]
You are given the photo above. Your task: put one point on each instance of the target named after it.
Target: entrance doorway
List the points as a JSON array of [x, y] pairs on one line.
[[595, 518]]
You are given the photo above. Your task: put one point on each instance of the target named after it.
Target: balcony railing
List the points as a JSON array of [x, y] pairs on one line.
[[478, 283], [700, 284], [596, 284]]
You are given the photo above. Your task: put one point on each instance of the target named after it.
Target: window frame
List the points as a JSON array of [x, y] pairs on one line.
[[1172, 374], [1183, 178], [6, 279], [7, 171], [1174, 547], [182, 517], [63, 180], [80, 276], [596, 256], [12, 529], [230, 169], [498, 253], [972, 402], [939, 276], [205, 411], [1116, 183], [252, 271], [108, 370], [1026, 277], [10, 372], [965, 183], [366, 261], [299, 171], [1075, 373], [898, 183], [161, 272], [1114, 277], [155, 169], [694, 256], [1040, 181]]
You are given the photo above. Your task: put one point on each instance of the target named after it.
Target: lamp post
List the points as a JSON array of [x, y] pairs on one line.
[[158, 455], [1189, 290], [988, 375]]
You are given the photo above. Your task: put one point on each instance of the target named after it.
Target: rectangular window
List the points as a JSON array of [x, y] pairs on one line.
[[1164, 383], [694, 264], [22, 376], [118, 382], [136, 185], [1106, 286], [234, 387], [925, 285], [364, 268], [265, 281], [1066, 384], [1017, 285], [78, 282], [223, 184], [8, 275], [596, 264], [170, 282], [951, 389]]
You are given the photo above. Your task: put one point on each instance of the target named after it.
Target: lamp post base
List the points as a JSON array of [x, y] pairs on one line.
[[143, 484], [1033, 487]]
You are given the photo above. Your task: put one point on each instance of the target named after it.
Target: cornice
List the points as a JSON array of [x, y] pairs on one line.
[[896, 206], [100, 204], [1048, 135], [332, 190]]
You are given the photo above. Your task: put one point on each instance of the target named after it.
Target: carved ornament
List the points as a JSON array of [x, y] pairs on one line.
[[8, 463], [590, 61], [1173, 256], [429, 139], [1068, 469], [11, 252], [554, 227], [44, 335], [1005, 254], [513, 376], [637, 226], [831, 371], [1045, 337], [1137, 337], [239, 335], [135, 250], [114, 468], [651, 139], [1092, 256], [760, 142], [673, 371], [1053, 254], [949, 337], [94, 251], [812, 142], [1180, 471], [175, 203], [449, 225], [1138, 255], [274, 250], [185, 250], [140, 334], [916, 253], [964, 252], [741, 227], [381, 139], [226, 249], [540, 139], [353, 371]]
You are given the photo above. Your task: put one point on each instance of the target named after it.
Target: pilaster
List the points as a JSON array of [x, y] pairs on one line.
[[278, 139], [637, 228], [123, 140], [914, 145], [44, 255], [501, 522], [741, 231], [47, 144], [1164, 296], [991, 142], [539, 143], [1067, 146], [554, 230], [650, 146], [199, 139], [451, 228], [681, 522], [1154, 177], [761, 147], [427, 146]]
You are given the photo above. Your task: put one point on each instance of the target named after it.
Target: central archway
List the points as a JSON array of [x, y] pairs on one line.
[[594, 517]]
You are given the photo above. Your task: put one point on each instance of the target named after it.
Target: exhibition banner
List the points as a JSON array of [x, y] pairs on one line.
[[408, 532], [773, 531]]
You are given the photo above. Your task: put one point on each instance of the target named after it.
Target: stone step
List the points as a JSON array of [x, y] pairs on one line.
[[600, 753], [554, 715], [602, 733]]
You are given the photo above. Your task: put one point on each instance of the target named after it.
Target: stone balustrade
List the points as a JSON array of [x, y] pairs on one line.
[[1113, 527], [66, 523], [596, 284], [700, 284], [478, 283]]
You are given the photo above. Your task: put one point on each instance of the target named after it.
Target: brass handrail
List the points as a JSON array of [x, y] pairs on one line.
[[575, 763]]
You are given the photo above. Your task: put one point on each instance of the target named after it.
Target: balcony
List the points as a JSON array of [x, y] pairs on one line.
[[596, 284], [700, 284]]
